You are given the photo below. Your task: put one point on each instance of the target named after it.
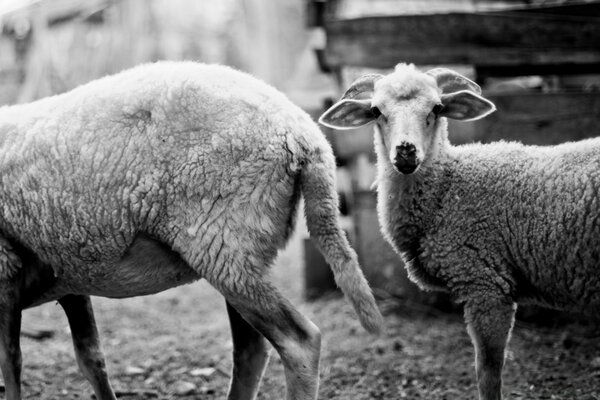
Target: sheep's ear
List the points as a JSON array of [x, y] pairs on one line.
[[460, 96], [451, 81], [353, 110], [348, 114], [465, 106]]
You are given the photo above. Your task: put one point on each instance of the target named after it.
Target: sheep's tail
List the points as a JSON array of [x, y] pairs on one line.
[[321, 210]]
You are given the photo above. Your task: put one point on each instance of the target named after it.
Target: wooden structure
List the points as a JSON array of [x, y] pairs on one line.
[[51, 46], [555, 40], [497, 43]]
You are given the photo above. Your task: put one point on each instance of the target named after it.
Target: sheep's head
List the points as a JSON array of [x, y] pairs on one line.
[[407, 106]]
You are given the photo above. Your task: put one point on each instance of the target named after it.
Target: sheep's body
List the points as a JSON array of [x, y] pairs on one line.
[[494, 224], [160, 176], [521, 219], [184, 173]]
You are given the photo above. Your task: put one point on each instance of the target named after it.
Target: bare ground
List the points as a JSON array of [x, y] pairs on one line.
[[159, 347]]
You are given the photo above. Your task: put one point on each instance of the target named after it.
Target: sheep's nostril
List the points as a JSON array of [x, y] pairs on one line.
[[406, 150], [406, 158]]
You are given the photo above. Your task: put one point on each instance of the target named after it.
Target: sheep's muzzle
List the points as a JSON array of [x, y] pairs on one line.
[[406, 160]]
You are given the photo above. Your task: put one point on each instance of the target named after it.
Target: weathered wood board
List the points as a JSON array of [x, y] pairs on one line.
[[534, 118], [482, 39]]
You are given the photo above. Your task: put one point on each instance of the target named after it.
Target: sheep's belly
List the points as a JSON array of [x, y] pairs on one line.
[[146, 267]]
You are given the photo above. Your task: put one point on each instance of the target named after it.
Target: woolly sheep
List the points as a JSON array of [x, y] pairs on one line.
[[495, 224], [156, 177]]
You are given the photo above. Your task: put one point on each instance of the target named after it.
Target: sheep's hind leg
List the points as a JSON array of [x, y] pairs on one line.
[[87, 344], [250, 357], [296, 339], [10, 329], [489, 321]]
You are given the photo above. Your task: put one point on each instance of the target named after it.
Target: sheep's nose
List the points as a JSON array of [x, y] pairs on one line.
[[406, 158]]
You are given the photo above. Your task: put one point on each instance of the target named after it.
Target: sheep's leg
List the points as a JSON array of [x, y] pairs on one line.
[[10, 329], [296, 338], [87, 344], [489, 322], [250, 357]]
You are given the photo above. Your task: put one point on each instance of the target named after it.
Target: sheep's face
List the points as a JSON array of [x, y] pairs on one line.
[[406, 106]]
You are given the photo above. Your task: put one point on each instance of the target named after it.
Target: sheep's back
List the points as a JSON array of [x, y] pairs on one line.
[[154, 149], [532, 213]]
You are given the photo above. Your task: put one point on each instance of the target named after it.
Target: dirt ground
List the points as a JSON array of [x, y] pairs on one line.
[[176, 345]]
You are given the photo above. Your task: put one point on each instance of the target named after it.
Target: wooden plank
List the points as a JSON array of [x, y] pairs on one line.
[[345, 9], [534, 118], [484, 39], [482, 72], [575, 8], [318, 278], [382, 267], [56, 10]]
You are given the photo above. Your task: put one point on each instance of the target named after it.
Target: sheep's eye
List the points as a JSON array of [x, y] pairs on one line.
[[437, 109], [376, 112]]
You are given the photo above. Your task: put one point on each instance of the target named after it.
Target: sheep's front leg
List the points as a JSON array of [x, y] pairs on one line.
[[489, 319], [87, 344], [296, 339], [250, 357], [10, 329]]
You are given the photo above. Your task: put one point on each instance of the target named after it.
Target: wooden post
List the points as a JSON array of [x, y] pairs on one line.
[[318, 278]]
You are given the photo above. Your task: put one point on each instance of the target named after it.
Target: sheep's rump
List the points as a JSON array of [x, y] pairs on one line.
[[170, 149], [531, 214]]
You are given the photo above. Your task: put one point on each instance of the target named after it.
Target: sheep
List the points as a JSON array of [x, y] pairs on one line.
[[494, 224], [156, 177]]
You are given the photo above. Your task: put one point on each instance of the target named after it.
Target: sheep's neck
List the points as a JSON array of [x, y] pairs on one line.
[[408, 203], [414, 198]]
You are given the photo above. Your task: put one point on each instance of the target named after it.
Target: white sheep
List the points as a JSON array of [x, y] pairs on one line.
[[156, 177], [495, 224]]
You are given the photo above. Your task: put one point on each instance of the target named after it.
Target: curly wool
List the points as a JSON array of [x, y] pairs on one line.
[[206, 160], [500, 218], [494, 224], [154, 149]]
